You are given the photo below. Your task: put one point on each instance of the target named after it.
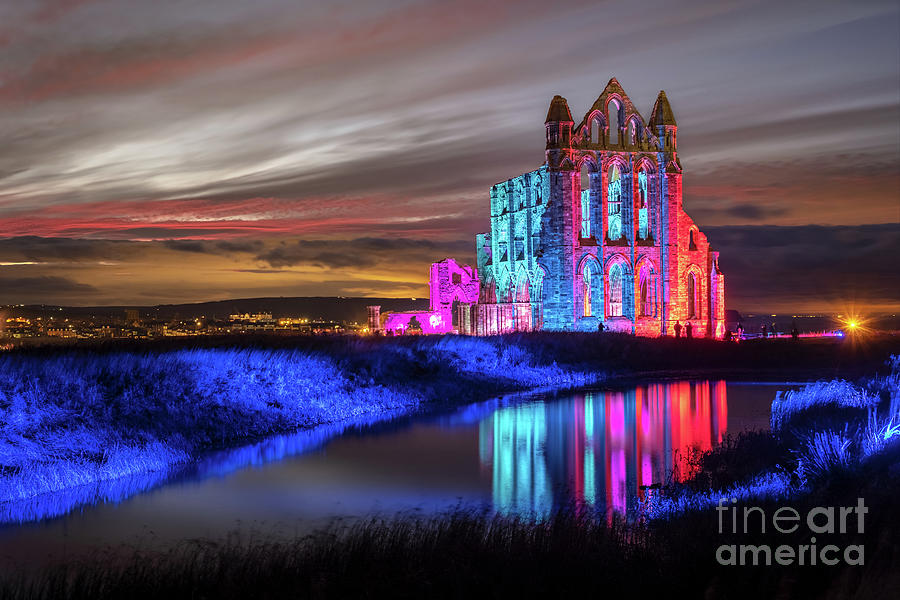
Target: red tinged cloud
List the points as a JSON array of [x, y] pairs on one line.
[[97, 70], [217, 219], [153, 61], [47, 13], [52, 10]]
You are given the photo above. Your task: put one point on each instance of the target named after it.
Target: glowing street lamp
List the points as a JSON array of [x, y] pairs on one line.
[[854, 325]]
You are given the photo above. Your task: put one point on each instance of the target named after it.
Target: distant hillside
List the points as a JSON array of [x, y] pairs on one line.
[[315, 308]]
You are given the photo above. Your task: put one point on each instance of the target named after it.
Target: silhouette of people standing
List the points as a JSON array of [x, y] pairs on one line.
[[765, 331], [795, 333], [677, 329], [740, 331], [728, 337], [689, 330], [600, 327]]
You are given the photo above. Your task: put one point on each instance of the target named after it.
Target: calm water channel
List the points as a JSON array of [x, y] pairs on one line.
[[523, 456]]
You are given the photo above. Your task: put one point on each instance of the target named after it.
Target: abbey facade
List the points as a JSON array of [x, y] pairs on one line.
[[596, 235]]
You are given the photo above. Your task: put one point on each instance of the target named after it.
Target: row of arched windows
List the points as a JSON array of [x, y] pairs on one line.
[[615, 198], [522, 194], [646, 301], [592, 292], [596, 129]]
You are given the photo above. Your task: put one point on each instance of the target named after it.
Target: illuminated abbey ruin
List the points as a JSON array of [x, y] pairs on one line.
[[597, 235]]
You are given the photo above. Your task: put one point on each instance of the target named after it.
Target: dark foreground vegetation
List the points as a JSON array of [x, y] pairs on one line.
[[475, 555]]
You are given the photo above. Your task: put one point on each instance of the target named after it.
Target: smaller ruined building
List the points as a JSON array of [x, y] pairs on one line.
[[595, 238], [453, 290]]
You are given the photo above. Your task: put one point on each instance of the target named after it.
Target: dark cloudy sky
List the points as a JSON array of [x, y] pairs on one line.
[[191, 150]]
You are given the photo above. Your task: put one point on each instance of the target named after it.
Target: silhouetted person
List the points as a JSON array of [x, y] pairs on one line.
[[795, 333], [773, 330], [728, 336], [765, 331], [600, 327], [740, 331], [689, 330], [677, 329]]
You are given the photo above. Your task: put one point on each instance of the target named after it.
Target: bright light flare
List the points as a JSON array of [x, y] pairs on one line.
[[854, 325]]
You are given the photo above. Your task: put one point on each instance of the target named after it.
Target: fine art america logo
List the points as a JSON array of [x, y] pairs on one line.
[[820, 521]]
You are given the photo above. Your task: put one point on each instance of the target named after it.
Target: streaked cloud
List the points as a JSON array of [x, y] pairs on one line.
[[262, 141]]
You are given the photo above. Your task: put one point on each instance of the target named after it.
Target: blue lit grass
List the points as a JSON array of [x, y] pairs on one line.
[[69, 419], [73, 420], [834, 426]]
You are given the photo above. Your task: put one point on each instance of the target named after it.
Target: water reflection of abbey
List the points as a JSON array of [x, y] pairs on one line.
[[598, 448]]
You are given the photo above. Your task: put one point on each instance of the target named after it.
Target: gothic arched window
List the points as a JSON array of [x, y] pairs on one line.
[[585, 200], [614, 203], [586, 289], [523, 293], [647, 291], [692, 297], [643, 216], [616, 275], [644, 295], [614, 112]]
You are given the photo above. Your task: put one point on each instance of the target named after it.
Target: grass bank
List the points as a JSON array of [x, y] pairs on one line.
[[70, 417]]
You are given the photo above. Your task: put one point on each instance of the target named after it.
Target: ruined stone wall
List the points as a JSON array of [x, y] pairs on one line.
[[508, 255], [451, 285], [597, 236]]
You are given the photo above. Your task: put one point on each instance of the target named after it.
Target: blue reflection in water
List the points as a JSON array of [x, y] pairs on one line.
[[598, 449], [520, 477], [212, 464], [54, 504]]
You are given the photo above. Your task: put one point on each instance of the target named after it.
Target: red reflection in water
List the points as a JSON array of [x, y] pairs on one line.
[[600, 448]]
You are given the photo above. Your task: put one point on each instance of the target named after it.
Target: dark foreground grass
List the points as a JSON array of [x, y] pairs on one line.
[[471, 555]]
